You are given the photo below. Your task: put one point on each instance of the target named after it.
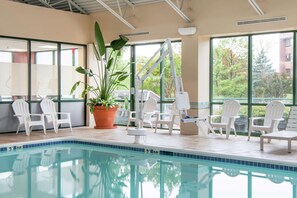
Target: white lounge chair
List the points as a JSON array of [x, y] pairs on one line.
[[21, 110], [289, 134], [273, 115], [49, 110], [168, 118], [228, 117], [149, 109]]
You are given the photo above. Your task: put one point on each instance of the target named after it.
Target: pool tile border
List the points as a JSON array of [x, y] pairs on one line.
[[163, 152]]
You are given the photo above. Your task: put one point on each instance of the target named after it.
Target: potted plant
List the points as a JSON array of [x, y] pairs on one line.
[[108, 77]]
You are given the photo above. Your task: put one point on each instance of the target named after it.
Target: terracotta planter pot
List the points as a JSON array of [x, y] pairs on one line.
[[104, 118]]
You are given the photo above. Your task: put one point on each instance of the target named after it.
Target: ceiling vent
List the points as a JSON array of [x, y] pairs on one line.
[[266, 20]]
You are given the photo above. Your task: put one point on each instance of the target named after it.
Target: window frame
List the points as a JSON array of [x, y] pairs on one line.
[[250, 49]]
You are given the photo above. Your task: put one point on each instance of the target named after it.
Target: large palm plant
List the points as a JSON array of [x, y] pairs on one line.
[[109, 76]]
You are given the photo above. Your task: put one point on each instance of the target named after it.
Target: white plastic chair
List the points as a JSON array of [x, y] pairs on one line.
[[168, 118], [49, 110], [149, 109], [228, 117], [21, 110], [273, 115]]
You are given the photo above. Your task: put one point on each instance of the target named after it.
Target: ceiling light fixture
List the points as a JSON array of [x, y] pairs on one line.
[[187, 31]]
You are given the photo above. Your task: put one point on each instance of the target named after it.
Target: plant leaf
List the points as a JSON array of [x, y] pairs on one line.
[[118, 73], [109, 63], [81, 70], [119, 43], [99, 40], [98, 57], [123, 77], [74, 87]]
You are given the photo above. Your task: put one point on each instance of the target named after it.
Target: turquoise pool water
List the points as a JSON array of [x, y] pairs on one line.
[[83, 171]]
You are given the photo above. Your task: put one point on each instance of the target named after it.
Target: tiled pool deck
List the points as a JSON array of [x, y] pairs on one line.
[[236, 147]]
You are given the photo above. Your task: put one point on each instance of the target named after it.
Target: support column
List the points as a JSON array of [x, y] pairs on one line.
[[195, 75]]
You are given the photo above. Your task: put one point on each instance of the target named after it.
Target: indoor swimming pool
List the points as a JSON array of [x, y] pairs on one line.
[[77, 169]]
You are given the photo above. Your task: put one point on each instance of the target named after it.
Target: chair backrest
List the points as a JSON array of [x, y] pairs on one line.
[[21, 107], [150, 105], [48, 107], [274, 110], [230, 108], [292, 120]]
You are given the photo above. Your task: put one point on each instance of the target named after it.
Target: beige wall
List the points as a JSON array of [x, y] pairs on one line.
[[21, 20]]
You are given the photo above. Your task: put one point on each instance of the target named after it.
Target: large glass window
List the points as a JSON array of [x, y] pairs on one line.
[[160, 89], [14, 69], [44, 75], [72, 56], [272, 75], [255, 70]]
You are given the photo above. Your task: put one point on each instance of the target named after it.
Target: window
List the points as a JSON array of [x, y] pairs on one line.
[[72, 56], [269, 82], [44, 80], [253, 75], [32, 70], [14, 70], [161, 89]]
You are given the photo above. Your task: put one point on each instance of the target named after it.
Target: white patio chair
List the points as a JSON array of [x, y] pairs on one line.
[[168, 118], [273, 115], [149, 109], [228, 117], [21, 110], [49, 110]]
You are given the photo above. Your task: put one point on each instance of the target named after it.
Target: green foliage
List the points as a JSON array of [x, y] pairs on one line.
[[230, 68], [109, 75], [266, 82], [230, 72]]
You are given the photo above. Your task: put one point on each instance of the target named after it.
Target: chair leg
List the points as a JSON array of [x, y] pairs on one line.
[[221, 131], [70, 125], [227, 132], [170, 128], [19, 126], [249, 133], [235, 131], [27, 129], [55, 126], [128, 123], [44, 130], [156, 126]]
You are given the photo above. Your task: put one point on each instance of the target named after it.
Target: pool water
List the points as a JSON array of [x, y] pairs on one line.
[[80, 171]]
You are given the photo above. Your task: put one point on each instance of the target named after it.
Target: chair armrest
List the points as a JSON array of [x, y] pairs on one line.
[[256, 118], [210, 118], [234, 117], [20, 115], [213, 116], [278, 119]]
